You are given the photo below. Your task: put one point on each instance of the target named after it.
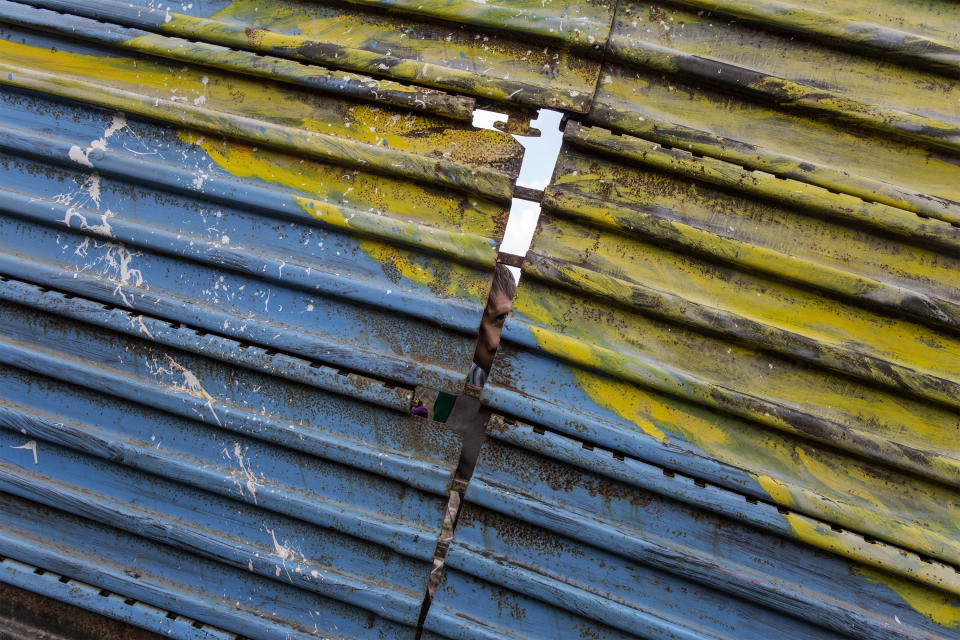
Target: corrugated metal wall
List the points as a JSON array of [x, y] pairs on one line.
[[734, 353], [235, 236], [219, 293]]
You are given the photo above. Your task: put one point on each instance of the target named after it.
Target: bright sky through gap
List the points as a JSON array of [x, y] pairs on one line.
[[539, 158]]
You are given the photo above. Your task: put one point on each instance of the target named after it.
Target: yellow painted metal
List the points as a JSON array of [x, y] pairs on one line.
[[528, 54], [747, 330], [872, 92], [812, 110], [419, 147], [925, 33], [681, 113], [751, 257], [581, 24]]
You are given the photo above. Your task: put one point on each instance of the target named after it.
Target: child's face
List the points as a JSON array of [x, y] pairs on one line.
[[498, 306]]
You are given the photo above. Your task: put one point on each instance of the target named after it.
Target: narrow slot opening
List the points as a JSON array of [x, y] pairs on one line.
[[465, 414]]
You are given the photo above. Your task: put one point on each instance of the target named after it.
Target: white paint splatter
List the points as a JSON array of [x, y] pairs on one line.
[[280, 550], [191, 384], [118, 123], [30, 446], [92, 185], [141, 327], [251, 480], [117, 257], [79, 156]]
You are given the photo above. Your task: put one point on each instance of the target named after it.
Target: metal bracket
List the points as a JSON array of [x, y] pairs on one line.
[[510, 260], [526, 193]]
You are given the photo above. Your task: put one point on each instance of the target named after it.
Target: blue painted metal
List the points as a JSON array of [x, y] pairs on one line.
[[295, 263], [332, 494], [108, 604], [174, 580], [210, 342], [559, 540]]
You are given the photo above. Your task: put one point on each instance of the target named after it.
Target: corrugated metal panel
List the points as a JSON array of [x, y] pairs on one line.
[[296, 225], [852, 123], [42, 610], [737, 342], [218, 292], [530, 54], [338, 497], [561, 541], [732, 364]]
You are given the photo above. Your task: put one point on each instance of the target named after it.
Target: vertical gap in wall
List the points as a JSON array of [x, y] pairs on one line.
[[539, 161]]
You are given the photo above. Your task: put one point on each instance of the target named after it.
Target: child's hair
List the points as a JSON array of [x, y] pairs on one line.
[[503, 282]]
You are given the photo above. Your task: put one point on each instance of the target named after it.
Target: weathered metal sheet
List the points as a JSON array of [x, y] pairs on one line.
[[397, 142], [875, 92], [217, 292], [713, 334], [734, 354], [170, 579], [560, 540], [42, 609], [924, 34], [335, 496], [786, 103], [243, 62], [298, 227], [529, 54], [737, 338]]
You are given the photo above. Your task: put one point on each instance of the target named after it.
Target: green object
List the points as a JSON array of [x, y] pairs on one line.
[[443, 406]]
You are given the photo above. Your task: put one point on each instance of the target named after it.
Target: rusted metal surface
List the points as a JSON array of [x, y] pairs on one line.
[[336, 497], [561, 540], [320, 255], [25, 615], [742, 297], [525, 53]]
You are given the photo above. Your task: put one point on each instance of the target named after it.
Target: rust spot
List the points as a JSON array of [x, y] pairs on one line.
[[46, 617]]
